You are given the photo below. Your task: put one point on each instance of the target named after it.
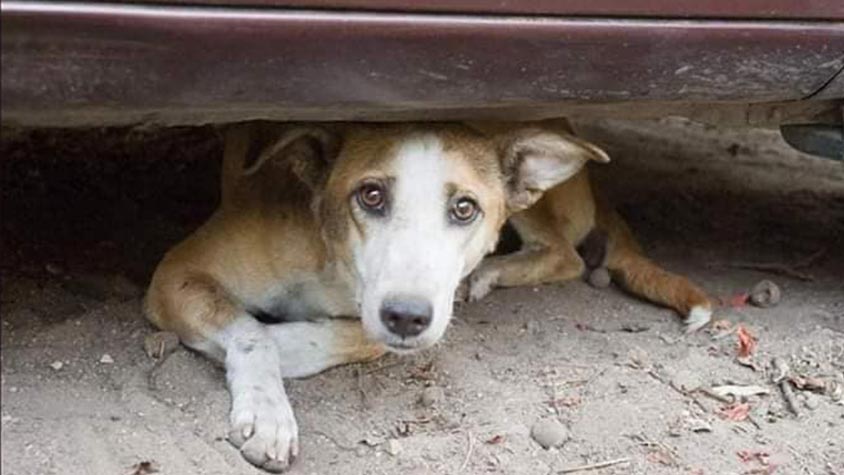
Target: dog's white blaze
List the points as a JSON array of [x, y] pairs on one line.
[[416, 252]]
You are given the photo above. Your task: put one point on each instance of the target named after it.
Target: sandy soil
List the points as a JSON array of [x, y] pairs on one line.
[[86, 216]]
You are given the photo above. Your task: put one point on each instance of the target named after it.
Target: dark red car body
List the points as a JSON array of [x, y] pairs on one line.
[[201, 61]]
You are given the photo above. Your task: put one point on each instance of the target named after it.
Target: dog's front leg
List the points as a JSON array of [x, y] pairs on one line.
[[198, 309], [262, 421]]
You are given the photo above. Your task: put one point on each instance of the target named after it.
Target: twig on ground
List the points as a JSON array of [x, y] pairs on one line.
[[595, 466], [783, 269], [788, 395], [471, 447], [781, 379], [753, 421], [716, 396], [689, 395]]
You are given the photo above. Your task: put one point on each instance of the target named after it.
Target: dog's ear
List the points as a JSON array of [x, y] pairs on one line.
[[308, 151], [534, 160]]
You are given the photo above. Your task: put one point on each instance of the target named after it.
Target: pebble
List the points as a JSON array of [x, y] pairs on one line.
[[599, 278], [765, 294], [106, 359], [549, 433], [638, 358], [699, 425], [393, 447], [57, 365], [431, 396], [811, 402]]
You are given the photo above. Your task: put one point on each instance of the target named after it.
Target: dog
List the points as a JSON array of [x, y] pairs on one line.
[[321, 225], [574, 216]]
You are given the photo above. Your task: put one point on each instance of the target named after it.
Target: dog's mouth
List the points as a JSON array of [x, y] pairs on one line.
[[403, 347]]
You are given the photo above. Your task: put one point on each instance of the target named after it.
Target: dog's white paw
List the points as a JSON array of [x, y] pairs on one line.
[[481, 283], [264, 429]]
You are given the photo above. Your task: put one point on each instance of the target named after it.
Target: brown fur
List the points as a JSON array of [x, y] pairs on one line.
[[560, 221]]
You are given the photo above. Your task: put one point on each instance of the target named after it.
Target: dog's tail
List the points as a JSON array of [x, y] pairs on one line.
[[639, 275]]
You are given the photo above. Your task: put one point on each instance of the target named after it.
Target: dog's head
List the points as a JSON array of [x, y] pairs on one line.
[[407, 211]]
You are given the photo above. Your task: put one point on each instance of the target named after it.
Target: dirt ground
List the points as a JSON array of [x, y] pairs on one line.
[[86, 216]]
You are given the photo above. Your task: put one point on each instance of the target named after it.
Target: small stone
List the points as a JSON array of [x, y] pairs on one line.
[[431, 396], [686, 381], [106, 359], [393, 447], [811, 402], [638, 358], [765, 294], [835, 390], [699, 425], [372, 441], [549, 433], [599, 278], [57, 365]]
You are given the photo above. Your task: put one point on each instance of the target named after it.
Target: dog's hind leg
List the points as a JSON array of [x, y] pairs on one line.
[[531, 266], [639, 275]]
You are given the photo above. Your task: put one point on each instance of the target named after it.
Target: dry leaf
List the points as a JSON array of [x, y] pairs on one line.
[[735, 412], [763, 458], [746, 343], [661, 457]]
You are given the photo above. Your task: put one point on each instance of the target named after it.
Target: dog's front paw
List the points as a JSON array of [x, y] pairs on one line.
[[264, 429], [481, 283]]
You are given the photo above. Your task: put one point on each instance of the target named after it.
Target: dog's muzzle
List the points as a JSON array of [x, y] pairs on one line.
[[406, 317]]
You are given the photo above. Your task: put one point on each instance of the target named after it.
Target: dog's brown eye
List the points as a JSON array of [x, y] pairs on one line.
[[371, 196], [464, 210]]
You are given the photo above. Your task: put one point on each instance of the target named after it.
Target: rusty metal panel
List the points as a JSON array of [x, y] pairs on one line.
[[65, 59], [767, 9]]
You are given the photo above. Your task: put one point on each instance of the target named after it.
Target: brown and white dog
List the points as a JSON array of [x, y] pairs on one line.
[[319, 224], [572, 215]]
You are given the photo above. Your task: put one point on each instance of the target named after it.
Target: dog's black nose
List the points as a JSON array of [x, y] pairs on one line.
[[406, 316]]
